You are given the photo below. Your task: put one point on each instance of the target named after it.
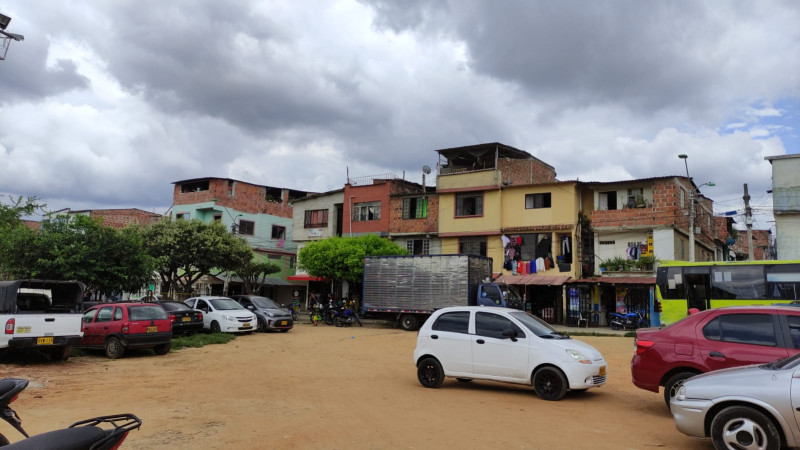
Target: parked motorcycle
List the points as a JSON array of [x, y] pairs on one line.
[[347, 317], [293, 309], [631, 320], [86, 434]]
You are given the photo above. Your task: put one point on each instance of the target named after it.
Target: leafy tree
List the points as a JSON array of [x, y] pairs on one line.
[[254, 274], [78, 248], [342, 258], [12, 213], [185, 250]]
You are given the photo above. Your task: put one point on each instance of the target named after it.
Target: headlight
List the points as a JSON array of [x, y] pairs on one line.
[[270, 314], [578, 356], [681, 394], [231, 318]]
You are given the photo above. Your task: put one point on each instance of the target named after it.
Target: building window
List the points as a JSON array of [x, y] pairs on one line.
[[366, 211], [317, 218], [535, 201], [635, 197], [608, 200], [194, 187], [418, 246], [183, 216], [278, 232], [247, 227], [231, 187], [473, 245], [415, 208], [217, 217], [469, 204]]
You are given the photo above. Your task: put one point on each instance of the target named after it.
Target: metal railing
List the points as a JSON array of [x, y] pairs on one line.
[[370, 179]]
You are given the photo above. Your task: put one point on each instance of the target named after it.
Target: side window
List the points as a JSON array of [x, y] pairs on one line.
[[492, 325], [202, 305], [754, 329], [794, 330], [246, 303], [455, 322], [118, 313], [105, 314], [89, 315]]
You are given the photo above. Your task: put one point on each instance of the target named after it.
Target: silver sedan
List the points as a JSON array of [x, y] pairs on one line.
[[752, 407]]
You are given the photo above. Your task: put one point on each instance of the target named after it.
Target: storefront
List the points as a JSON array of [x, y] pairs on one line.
[[543, 295], [590, 300]]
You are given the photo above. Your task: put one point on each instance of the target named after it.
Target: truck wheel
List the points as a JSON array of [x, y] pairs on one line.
[[430, 373], [60, 354], [550, 383], [114, 348], [162, 349], [408, 322]]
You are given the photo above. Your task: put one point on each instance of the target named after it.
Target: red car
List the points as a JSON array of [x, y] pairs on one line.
[[115, 327], [710, 340]]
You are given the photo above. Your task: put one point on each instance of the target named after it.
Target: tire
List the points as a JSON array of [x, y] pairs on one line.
[[328, 318], [338, 322], [215, 327], [430, 373], [464, 380], [408, 322], [114, 348], [550, 384], [261, 325], [162, 349], [614, 326], [671, 385], [743, 427]]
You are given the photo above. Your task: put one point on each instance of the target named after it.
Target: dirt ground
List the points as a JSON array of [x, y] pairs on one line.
[[327, 387]]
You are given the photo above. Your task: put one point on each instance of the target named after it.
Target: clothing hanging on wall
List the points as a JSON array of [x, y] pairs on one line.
[[540, 264], [505, 240], [565, 245]]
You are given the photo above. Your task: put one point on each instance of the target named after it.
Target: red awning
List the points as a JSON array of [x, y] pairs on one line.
[[304, 277], [531, 279]]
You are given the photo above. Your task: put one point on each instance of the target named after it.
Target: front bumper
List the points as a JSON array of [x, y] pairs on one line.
[[238, 327], [146, 340], [690, 415], [30, 342], [279, 323], [585, 376]]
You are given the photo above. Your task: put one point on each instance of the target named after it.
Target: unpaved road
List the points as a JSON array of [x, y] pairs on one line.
[[318, 387]]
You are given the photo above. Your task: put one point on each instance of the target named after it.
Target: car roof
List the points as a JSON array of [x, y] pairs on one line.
[[208, 297], [477, 308], [125, 304]]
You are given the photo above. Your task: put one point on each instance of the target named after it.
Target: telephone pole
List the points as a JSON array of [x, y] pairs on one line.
[[748, 220]]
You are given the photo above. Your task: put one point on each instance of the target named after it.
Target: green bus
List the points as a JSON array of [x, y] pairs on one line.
[[682, 285]]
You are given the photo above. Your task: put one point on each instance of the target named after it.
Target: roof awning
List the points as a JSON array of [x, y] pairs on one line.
[[275, 281], [617, 280], [304, 277], [528, 280]]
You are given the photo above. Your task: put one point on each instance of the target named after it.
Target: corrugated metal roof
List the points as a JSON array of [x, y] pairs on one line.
[[617, 280], [532, 279]]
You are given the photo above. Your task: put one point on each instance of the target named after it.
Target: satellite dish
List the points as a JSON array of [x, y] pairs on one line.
[[426, 170]]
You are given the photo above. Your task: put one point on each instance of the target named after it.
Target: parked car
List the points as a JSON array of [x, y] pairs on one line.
[[742, 408], [713, 339], [116, 327], [269, 316], [184, 319], [501, 344], [223, 314]]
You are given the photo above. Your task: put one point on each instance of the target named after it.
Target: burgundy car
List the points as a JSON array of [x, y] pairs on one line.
[[117, 326], [710, 340]]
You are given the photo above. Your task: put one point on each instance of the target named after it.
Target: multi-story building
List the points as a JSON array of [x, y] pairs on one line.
[[114, 218], [762, 245], [723, 238], [786, 204], [260, 214], [414, 220]]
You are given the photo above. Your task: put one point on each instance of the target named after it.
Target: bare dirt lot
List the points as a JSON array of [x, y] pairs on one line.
[[327, 387]]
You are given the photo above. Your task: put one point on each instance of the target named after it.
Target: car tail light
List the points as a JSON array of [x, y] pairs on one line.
[[643, 346], [121, 440], [172, 318], [125, 327], [199, 316], [10, 326]]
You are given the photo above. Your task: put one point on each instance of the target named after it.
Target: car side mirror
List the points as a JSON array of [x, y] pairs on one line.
[[510, 334], [250, 307]]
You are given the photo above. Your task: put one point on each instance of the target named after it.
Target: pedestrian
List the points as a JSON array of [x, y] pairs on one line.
[[149, 298], [316, 315]]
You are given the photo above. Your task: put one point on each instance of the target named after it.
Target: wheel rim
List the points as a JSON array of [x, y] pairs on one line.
[[429, 374], [113, 347], [743, 433], [547, 384], [261, 325]]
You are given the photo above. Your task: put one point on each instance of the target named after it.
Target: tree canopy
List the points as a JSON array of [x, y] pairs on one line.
[[342, 258], [11, 214], [254, 274], [185, 250]]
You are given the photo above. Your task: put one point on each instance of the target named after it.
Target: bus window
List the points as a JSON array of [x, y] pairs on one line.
[[783, 282], [738, 282], [670, 282]]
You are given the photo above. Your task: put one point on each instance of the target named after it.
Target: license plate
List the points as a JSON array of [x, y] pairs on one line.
[[283, 322], [186, 319], [44, 341], [246, 325], [152, 329], [602, 371]]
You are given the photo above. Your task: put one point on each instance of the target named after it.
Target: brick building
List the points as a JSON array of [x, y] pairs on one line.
[[114, 218], [762, 245]]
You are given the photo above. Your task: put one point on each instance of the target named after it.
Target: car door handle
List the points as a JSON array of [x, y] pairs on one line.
[[480, 341], [716, 354], [433, 336]]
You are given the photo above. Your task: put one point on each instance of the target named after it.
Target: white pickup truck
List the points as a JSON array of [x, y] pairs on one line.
[[41, 314]]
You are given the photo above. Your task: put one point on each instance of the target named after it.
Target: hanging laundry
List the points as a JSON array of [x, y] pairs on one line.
[[565, 245], [505, 240], [540, 264], [513, 267], [532, 266]]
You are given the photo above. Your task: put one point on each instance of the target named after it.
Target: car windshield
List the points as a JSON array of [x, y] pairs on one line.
[[538, 326], [146, 312], [264, 302], [174, 306], [783, 362], [225, 304]]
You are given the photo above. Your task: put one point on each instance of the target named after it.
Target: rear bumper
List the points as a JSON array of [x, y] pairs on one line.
[[644, 375], [180, 328], [30, 342], [146, 340]]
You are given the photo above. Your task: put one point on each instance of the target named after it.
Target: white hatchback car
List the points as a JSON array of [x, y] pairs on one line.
[[500, 344], [223, 314]]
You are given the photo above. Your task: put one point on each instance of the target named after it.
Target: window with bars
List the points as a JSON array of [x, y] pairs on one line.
[[415, 208], [418, 246], [535, 201], [469, 204], [472, 245], [317, 218], [366, 211], [247, 227], [278, 232]]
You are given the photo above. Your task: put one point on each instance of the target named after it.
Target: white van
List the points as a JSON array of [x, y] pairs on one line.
[[41, 314]]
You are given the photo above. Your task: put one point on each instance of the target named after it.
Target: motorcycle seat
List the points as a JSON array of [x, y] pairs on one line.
[[77, 438], [9, 387]]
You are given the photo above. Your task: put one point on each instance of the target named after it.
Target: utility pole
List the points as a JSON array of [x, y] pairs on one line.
[[748, 220], [691, 224]]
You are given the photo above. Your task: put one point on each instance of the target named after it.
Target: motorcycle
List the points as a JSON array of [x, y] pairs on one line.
[[85, 434], [630, 320], [329, 314], [347, 317], [293, 310]]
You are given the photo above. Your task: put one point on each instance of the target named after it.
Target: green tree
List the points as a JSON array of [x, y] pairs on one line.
[[185, 250], [12, 213], [78, 248], [342, 258], [254, 274]]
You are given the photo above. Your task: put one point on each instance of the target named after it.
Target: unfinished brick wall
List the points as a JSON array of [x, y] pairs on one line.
[[246, 197], [761, 244], [120, 218], [720, 228], [428, 225], [525, 171]]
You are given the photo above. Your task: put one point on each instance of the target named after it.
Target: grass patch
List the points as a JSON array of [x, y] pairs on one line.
[[201, 339]]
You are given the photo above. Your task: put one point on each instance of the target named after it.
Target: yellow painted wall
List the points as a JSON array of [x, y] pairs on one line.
[[494, 250], [487, 177], [564, 206], [490, 221]]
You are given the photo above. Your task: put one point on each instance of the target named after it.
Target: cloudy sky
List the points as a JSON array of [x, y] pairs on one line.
[[105, 103]]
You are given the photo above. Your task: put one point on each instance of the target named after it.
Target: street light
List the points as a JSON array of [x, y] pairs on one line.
[[692, 208]]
